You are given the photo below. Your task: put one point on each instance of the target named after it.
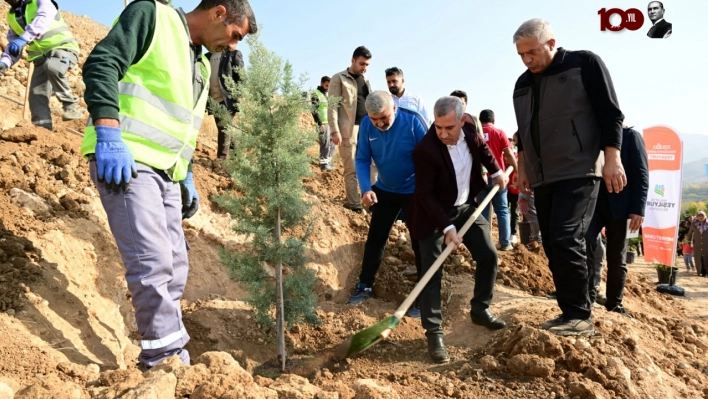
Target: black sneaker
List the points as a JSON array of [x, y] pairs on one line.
[[619, 309], [355, 208]]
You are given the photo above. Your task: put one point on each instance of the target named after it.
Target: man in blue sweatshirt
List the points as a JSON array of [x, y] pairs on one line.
[[388, 135]]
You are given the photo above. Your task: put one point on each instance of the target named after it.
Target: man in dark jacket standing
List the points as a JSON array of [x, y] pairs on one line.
[[563, 129], [612, 212], [222, 64]]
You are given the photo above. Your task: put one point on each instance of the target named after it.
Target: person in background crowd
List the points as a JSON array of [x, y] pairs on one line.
[[527, 206], [612, 212], [39, 26], [698, 236], [402, 97], [512, 196], [344, 119], [320, 107], [499, 144], [687, 251], [222, 65]]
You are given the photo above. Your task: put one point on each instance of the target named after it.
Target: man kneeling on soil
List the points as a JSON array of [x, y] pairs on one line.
[[388, 134], [448, 164]]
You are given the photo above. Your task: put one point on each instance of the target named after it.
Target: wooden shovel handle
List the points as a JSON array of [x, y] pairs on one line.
[[401, 311]]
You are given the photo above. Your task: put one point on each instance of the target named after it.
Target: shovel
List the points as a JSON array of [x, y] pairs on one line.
[[370, 336]]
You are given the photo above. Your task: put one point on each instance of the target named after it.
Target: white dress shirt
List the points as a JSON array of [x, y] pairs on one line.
[[462, 162], [413, 102]]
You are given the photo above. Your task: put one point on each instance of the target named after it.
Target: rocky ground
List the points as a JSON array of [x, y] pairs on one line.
[[67, 329]]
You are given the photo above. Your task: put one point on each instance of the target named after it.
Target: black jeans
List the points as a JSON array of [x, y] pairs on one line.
[[223, 140], [383, 214], [565, 209], [478, 241], [513, 200], [615, 251]]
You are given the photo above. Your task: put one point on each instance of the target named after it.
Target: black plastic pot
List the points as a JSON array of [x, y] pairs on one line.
[[668, 277], [524, 232], [630, 257]]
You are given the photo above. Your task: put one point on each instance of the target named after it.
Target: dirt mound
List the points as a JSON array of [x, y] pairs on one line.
[[622, 360], [526, 270]]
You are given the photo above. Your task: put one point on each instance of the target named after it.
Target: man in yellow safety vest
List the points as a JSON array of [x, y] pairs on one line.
[[147, 85]]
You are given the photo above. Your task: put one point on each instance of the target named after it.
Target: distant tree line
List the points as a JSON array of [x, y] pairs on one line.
[[694, 197]]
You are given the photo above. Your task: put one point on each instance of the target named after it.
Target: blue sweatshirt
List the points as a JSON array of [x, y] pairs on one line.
[[391, 151]]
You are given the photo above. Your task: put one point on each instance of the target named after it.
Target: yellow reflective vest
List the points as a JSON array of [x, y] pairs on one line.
[[158, 115], [58, 35]]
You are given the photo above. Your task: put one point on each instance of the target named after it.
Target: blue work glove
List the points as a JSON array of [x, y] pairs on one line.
[[114, 161], [15, 46], [190, 197]]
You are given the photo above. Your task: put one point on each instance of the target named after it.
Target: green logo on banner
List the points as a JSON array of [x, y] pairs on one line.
[[659, 189]]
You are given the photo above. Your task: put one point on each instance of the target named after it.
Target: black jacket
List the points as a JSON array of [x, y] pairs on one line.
[[436, 182], [229, 60], [633, 198], [660, 29]]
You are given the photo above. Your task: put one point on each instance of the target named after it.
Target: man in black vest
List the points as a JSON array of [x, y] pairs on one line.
[[660, 28], [563, 130]]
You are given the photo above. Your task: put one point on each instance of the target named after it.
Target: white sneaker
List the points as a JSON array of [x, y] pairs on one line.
[[514, 239]]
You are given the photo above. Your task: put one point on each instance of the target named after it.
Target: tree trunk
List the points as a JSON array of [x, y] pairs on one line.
[[279, 311]]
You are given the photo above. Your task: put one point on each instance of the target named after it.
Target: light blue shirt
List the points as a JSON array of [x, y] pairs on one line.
[[413, 102]]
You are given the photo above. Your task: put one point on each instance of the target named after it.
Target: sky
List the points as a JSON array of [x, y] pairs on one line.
[[445, 45]]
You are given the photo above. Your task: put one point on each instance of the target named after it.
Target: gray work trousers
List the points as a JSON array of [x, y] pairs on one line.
[[532, 218], [50, 76], [146, 222], [326, 146]]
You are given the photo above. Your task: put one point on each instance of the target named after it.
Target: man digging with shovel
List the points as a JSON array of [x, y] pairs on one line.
[[448, 164]]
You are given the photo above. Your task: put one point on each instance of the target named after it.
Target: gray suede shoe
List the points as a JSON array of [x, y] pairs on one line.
[[573, 327], [73, 114]]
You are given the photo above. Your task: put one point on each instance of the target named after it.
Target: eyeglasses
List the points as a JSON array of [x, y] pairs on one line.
[[394, 70]]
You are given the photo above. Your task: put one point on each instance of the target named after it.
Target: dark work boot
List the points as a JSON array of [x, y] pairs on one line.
[[436, 349], [487, 319]]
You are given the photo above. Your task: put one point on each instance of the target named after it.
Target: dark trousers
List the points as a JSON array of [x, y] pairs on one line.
[[223, 140], [565, 209], [383, 214], [513, 200], [615, 252], [478, 241]]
